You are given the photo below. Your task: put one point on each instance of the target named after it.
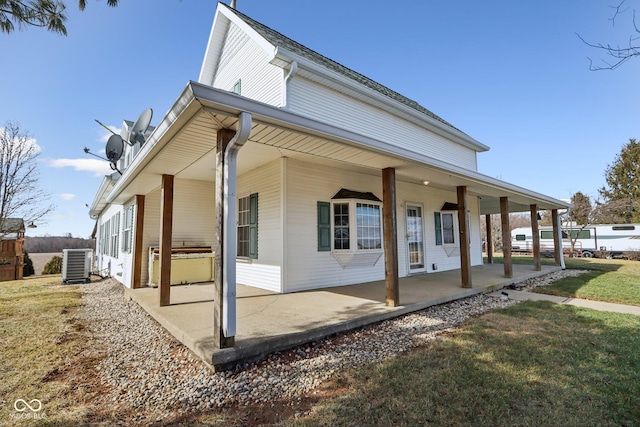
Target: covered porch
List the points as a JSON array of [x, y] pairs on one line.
[[212, 137], [268, 322]]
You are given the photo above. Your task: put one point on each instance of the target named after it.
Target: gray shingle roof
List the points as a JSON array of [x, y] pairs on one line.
[[9, 225], [280, 40]]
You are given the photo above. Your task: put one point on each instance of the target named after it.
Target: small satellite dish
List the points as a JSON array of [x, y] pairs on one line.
[[140, 127], [114, 148]]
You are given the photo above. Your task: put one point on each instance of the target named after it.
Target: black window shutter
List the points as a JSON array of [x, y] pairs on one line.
[[324, 226], [438, 222], [253, 226]]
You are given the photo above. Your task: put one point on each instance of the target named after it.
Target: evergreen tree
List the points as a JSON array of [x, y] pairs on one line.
[[27, 269], [621, 196]]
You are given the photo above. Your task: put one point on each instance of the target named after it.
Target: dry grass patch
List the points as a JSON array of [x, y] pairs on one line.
[[41, 339]]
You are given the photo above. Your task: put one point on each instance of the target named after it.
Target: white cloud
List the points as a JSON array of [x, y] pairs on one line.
[[67, 196], [104, 135], [98, 167], [30, 141]]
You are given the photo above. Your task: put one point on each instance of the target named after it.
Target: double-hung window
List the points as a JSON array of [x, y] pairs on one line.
[[248, 226], [445, 224], [127, 232], [115, 235]]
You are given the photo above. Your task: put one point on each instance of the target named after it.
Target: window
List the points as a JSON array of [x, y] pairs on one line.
[[623, 227], [369, 229], [357, 226], [521, 237], [237, 87], [248, 226], [341, 226], [127, 235], [448, 232], [115, 235], [445, 228]]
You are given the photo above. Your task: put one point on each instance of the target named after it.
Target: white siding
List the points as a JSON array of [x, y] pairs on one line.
[[432, 200], [193, 218], [105, 263], [243, 59], [322, 103], [308, 269], [264, 272]]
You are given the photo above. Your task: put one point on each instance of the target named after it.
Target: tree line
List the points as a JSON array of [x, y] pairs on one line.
[[48, 244]]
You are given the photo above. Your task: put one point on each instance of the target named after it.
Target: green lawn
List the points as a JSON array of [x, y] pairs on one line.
[[533, 364], [615, 281]]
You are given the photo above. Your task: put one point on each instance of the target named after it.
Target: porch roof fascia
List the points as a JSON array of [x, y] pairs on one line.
[[197, 96], [99, 201]]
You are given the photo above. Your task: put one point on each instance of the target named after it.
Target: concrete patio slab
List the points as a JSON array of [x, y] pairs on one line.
[[269, 322]]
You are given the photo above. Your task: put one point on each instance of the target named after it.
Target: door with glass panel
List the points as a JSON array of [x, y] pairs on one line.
[[415, 238]]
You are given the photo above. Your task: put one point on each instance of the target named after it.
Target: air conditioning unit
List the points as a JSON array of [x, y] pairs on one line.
[[76, 265]]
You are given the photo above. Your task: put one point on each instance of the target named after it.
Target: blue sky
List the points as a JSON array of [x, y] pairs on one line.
[[513, 75]]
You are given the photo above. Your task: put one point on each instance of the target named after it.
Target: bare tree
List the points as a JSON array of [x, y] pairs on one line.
[[20, 194], [619, 53]]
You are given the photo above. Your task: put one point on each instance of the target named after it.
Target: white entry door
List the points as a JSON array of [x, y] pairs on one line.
[[415, 238]]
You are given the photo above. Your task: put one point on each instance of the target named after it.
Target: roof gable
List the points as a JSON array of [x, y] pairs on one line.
[[273, 42], [277, 39]]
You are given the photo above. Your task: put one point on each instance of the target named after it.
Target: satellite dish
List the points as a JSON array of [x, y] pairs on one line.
[[114, 148], [140, 127]]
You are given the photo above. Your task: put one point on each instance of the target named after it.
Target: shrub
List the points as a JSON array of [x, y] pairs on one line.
[[27, 268], [54, 266]]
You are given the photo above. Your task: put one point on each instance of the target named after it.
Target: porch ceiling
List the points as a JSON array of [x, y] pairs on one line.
[[185, 147]]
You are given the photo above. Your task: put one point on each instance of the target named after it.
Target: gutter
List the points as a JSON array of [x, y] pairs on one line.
[[229, 236]]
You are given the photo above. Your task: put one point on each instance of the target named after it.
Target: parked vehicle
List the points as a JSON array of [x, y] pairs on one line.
[[609, 240]]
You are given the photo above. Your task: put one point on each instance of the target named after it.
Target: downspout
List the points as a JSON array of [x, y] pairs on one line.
[[229, 242], [292, 72]]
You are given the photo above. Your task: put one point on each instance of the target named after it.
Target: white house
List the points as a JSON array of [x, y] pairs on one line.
[[326, 177]]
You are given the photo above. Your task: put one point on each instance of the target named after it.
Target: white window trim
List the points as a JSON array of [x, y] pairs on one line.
[[353, 226], [408, 204], [455, 243]]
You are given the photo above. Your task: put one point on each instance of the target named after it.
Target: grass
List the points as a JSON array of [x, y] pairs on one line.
[[616, 281], [37, 336], [531, 364]]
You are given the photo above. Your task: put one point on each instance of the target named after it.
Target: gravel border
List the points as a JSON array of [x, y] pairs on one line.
[[147, 371]]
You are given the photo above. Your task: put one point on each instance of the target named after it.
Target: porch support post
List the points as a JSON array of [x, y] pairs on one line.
[[390, 222], [137, 243], [506, 237], [536, 237], [463, 231], [166, 231], [220, 341], [489, 239], [557, 239]]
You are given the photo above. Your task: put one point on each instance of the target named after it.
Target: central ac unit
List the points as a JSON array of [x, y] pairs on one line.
[[76, 265]]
